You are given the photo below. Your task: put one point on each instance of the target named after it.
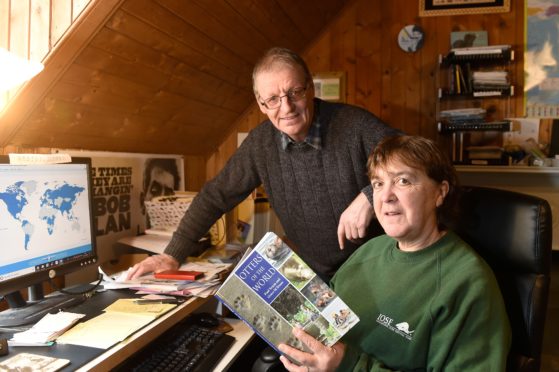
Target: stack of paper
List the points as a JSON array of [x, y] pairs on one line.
[[463, 116], [490, 79], [117, 322], [46, 330], [203, 287]]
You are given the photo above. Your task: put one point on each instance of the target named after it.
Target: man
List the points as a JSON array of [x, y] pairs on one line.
[[310, 156]]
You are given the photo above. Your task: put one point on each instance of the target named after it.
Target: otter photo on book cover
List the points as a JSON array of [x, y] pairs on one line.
[[273, 290]]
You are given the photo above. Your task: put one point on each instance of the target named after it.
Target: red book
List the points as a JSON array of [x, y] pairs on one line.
[[179, 275]]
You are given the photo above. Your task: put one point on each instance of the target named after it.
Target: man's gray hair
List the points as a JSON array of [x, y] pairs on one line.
[[276, 56]]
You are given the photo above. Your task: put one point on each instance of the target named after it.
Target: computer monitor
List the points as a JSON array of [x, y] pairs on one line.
[[46, 230]]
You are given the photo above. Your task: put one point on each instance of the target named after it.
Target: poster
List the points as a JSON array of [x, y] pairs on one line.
[[541, 67], [120, 184]]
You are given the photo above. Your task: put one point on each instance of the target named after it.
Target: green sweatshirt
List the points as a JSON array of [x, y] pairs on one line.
[[437, 309]]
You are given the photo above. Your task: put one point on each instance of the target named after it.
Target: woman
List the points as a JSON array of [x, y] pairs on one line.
[[425, 299]]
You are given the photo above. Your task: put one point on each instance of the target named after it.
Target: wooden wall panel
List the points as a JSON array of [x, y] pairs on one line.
[[368, 69], [181, 31], [18, 36], [61, 13], [39, 42], [4, 40], [204, 20], [19, 28], [78, 7], [4, 23]]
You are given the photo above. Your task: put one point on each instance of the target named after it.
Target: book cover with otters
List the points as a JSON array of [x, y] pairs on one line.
[[273, 290]]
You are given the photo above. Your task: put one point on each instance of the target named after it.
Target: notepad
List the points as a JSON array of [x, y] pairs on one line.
[[47, 329], [118, 321]]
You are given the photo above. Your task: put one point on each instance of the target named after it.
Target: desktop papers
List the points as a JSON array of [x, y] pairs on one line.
[[149, 284], [47, 329], [118, 321]]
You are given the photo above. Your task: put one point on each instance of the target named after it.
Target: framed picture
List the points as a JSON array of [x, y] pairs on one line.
[[330, 86], [456, 7], [467, 39]]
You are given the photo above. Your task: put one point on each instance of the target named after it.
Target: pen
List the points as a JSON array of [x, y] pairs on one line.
[[146, 301]]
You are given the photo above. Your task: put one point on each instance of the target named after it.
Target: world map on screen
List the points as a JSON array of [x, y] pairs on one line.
[[39, 205]]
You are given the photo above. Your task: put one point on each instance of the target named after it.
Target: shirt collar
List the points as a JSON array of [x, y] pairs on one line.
[[313, 137]]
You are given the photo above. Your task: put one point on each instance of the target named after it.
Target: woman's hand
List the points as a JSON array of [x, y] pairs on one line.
[[323, 358]]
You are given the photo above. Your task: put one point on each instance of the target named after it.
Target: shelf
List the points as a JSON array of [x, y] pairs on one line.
[[497, 56], [506, 169], [478, 93], [479, 78], [498, 126]]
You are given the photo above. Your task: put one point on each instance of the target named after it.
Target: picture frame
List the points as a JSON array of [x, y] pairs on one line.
[[330, 86], [429, 8], [465, 39]]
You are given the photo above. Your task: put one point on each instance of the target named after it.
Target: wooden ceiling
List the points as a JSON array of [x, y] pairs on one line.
[[156, 76]]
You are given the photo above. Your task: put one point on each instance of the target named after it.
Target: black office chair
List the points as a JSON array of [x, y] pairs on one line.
[[512, 232]]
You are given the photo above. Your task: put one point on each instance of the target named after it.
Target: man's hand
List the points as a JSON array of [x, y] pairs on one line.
[[323, 358], [159, 262], [355, 220]]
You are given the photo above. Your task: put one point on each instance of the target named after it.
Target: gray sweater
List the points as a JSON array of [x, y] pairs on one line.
[[307, 188]]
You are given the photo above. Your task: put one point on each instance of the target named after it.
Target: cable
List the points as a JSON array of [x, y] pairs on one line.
[[87, 293], [220, 237]]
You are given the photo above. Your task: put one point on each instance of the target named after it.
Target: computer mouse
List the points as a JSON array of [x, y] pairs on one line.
[[206, 320]]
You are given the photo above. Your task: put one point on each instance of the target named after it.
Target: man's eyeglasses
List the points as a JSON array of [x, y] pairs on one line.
[[292, 95]]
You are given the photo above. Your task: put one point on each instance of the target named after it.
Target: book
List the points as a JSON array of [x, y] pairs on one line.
[[273, 290], [463, 83], [158, 285], [33, 362], [457, 79], [179, 275]]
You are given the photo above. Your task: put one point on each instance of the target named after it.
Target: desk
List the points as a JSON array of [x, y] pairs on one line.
[[91, 359]]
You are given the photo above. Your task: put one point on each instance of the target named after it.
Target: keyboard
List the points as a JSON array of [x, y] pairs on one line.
[[185, 347]]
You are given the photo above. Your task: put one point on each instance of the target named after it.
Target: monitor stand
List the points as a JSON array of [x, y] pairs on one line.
[[23, 312]]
